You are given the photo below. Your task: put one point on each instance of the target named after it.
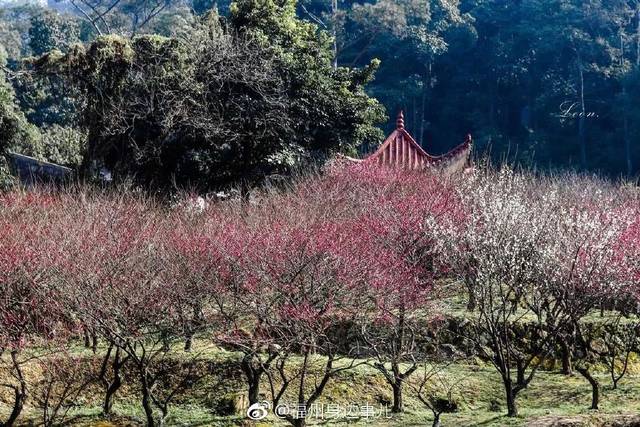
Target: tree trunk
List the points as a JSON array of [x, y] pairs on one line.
[[512, 408], [111, 391], [146, 399], [397, 397], [582, 119], [111, 386], [166, 345], [20, 392], [164, 409], [436, 420], [521, 369], [595, 387], [114, 386], [254, 390], [471, 303], [566, 358], [299, 422], [253, 376], [193, 327], [87, 338], [472, 300], [18, 405], [399, 345]]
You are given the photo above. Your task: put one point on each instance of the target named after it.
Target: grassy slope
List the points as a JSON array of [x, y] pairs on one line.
[[549, 396]]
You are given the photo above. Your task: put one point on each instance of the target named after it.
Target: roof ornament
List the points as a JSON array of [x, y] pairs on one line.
[[400, 120]]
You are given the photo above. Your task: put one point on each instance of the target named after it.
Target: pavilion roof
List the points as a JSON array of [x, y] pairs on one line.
[[401, 150]]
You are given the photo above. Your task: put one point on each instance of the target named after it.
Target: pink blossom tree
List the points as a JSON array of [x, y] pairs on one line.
[[622, 334], [285, 245], [310, 304], [200, 255], [113, 280], [398, 256], [294, 297], [31, 310]]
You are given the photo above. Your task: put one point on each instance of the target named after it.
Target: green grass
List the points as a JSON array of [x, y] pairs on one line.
[[455, 306], [549, 397]]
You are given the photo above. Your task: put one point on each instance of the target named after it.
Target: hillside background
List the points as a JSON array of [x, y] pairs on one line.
[[543, 83]]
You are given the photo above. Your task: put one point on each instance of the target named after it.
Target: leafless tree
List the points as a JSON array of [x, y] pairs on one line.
[[436, 389], [103, 15], [64, 379]]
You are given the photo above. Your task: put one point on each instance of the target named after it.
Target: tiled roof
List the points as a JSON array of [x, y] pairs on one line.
[[30, 170], [401, 150]]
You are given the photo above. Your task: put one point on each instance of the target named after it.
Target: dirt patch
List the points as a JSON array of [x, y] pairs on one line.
[[586, 421], [555, 421]]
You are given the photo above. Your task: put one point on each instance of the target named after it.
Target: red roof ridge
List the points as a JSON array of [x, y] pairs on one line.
[[401, 149]]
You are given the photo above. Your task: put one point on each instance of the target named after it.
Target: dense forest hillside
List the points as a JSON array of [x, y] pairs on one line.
[[543, 83]]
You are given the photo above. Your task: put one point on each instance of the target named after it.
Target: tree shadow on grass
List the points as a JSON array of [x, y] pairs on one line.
[[490, 421]]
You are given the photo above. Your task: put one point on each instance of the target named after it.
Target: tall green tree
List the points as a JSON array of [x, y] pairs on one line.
[[50, 30], [408, 37], [332, 99], [16, 133]]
